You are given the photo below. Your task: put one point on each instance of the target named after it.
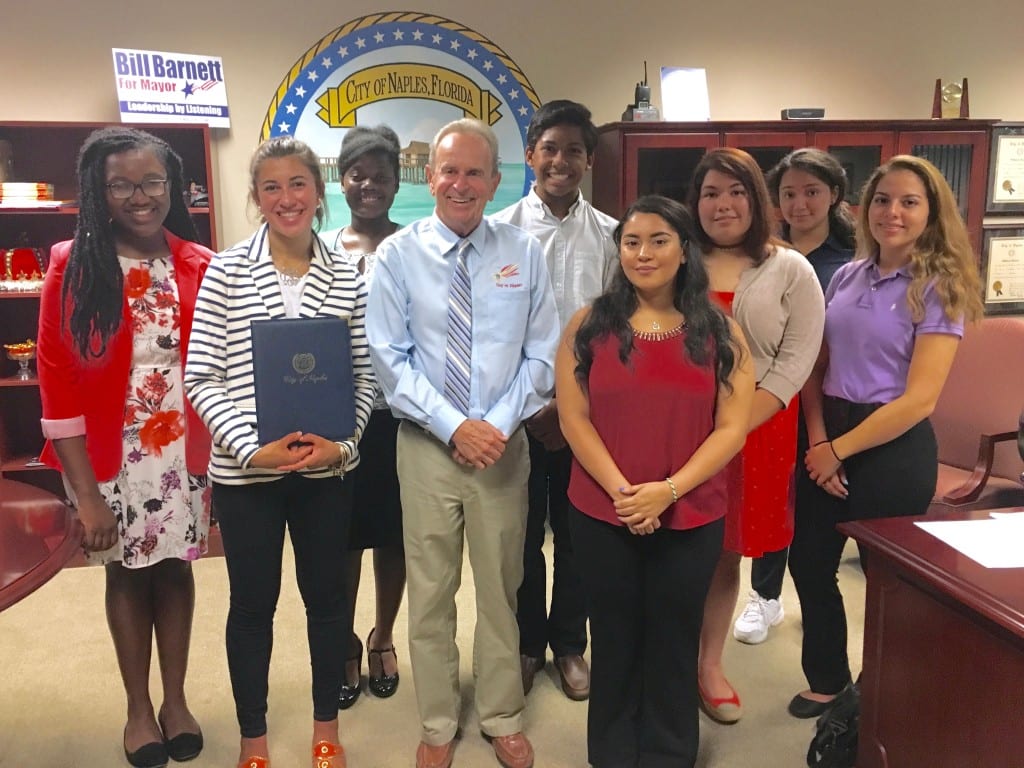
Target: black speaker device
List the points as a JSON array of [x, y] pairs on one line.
[[803, 113]]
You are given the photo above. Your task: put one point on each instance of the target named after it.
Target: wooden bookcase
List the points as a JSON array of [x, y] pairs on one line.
[[633, 159], [48, 152]]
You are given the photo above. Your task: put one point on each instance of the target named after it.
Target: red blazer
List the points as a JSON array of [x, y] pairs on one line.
[[88, 396]]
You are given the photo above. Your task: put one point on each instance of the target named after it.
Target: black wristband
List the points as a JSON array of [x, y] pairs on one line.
[[833, 449]]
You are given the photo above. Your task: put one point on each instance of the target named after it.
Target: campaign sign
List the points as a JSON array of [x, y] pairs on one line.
[[414, 72], [161, 87]]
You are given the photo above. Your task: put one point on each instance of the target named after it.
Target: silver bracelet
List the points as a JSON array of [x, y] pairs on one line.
[[672, 485]]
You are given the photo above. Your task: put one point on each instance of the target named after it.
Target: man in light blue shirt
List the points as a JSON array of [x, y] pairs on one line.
[[463, 459]]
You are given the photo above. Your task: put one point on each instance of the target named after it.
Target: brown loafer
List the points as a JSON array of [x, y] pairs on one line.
[[529, 666], [575, 676], [513, 751], [430, 756]]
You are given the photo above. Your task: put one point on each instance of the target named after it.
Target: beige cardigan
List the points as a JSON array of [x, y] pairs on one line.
[[780, 307]]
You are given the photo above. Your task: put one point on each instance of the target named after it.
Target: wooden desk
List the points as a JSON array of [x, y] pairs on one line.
[[39, 533], [943, 674]]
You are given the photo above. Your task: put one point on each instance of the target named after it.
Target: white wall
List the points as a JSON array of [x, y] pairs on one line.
[[873, 59]]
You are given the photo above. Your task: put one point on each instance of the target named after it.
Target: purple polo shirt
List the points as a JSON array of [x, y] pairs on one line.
[[870, 333]]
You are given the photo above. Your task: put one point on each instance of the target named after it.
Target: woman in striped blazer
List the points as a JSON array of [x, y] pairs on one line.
[[294, 482]]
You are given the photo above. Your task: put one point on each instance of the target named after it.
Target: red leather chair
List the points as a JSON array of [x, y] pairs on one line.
[[976, 420]]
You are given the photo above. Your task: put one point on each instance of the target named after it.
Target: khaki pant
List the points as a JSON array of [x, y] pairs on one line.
[[443, 501]]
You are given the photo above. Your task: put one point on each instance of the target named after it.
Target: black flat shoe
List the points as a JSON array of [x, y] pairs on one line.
[[152, 755], [349, 694], [183, 747], [804, 708], [382, 686]]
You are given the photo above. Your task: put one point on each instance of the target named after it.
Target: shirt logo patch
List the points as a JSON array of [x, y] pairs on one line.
[[504, 277]]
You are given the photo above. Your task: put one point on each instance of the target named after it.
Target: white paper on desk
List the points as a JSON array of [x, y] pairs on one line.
[[1009, 512], [993, 543], [684, 94]]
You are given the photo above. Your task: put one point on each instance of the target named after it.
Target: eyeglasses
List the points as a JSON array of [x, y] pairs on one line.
[[122, 190]]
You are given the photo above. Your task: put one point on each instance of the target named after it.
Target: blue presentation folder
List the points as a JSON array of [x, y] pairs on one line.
[[302, 369]]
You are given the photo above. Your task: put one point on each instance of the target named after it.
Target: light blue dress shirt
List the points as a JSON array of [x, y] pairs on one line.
[[515, 325]]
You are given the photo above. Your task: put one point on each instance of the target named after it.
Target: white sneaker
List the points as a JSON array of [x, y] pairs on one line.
[[760, 614]]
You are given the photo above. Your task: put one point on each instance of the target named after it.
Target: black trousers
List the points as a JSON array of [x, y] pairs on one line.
[[645, 595], [564, 627], [891, 480], [768, 570], [253, 518]]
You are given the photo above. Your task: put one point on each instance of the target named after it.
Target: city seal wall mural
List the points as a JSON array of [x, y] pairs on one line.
[[414, 72]]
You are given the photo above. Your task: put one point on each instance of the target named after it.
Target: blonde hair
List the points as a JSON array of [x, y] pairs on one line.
[[942, 255]]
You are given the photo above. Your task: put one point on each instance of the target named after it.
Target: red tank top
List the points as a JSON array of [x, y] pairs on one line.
[[651, 414]]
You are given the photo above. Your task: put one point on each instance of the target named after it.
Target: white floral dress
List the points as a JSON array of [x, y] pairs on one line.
[[162, 510]]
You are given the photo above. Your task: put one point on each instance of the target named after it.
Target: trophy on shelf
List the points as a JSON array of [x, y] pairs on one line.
[[21, 269], [950, 100], [22, 352]]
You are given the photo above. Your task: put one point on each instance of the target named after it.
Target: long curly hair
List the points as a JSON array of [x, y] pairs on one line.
[[93, 282], [707, 329], [828, 171], [942, 255]]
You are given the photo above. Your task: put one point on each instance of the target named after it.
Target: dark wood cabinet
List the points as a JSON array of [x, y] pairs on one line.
[[48, 152], [633, 159]]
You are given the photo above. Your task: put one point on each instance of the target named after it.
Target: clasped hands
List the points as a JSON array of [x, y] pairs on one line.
[[639, 507], [825, 469], [477, 443], [299, 450]]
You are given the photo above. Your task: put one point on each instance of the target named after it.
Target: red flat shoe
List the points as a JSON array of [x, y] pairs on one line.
[[726, 710], [328, 755]]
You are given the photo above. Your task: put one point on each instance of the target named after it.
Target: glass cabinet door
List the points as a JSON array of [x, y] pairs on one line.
[[859, 153], [962, 157], [663, 164], [767, 148]]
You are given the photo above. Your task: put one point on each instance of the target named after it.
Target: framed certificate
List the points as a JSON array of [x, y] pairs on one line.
[[1006, 170], [1002, 270]]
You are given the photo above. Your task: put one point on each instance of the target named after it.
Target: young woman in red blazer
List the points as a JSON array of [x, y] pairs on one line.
[[114, 325]]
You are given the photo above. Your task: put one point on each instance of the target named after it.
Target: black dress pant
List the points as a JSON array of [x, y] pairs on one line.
[[564, 627], [645, 596], [253, 518], [768, 570], [891, 480]]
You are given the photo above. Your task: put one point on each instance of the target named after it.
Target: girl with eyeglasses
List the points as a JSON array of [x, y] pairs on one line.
[[114, 323]]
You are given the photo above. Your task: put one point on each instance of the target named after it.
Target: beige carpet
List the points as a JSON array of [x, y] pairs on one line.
[[62, 705]]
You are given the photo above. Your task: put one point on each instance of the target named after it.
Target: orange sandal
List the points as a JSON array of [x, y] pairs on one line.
[[328, 755]]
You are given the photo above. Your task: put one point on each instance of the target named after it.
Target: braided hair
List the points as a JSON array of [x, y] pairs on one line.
[[93, 282]]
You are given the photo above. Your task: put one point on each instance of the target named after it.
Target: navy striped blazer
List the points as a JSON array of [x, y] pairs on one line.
[[240, 286]]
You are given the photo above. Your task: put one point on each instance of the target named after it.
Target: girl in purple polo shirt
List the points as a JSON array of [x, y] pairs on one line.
[[893, 321]]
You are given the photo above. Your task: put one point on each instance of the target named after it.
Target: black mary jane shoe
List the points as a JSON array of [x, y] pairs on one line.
[[382, 686], [152, 755], [349, 694]]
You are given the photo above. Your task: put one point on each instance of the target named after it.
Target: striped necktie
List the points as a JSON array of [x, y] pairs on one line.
[[460, 333]]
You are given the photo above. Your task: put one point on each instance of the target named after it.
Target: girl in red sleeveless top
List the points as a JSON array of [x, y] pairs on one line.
[[654, 392]]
